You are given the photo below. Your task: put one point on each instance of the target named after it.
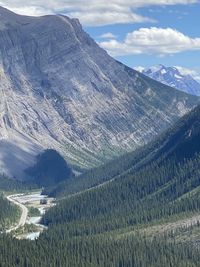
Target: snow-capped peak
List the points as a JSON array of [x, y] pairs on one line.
[[175, 77]]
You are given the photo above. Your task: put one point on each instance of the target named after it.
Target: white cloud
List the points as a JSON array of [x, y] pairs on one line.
[[93, 12], [152, 40], [108, 17], [31, 11], [108, 35], [139, 68], [186, 71]]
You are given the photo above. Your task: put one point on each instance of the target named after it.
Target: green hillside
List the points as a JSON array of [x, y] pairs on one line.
[[49, 169], [180, 142], [9, 213], [145, 214]]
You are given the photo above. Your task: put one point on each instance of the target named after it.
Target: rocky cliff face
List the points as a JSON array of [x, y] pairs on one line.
[[59, 89]]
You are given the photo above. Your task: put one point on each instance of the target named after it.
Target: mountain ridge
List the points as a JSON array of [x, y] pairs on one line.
[[173, 77], [60, 90]]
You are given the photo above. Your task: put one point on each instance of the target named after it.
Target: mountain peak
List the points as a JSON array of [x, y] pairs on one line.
[[173, 77], [4, 10], [6, 15], [10, 19]]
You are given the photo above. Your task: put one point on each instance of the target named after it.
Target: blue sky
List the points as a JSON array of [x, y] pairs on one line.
[[183, 18], [136, 32]]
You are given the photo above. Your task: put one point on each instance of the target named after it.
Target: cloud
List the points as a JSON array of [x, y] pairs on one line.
[[152, 40], [108, 35], [109, 17], [30, 10], [139, 68], [186, 71], [94, 12]]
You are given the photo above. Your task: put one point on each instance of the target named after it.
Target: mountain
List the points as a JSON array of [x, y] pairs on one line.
[[50, 169], [180, 142], [60, 90], [153, 196], [148, 215], [158, 181], [173, 77]]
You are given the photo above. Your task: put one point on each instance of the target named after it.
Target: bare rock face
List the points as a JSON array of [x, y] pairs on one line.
[[59, 89]]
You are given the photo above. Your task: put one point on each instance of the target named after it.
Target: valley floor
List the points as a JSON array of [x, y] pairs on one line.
[[24, 213], [29, 226]]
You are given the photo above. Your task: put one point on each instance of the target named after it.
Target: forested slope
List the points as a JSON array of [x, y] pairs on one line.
[[108, 225], [50, 169], [53, 250], [11, 185], [8, 213], [180, 142], [147, 190]]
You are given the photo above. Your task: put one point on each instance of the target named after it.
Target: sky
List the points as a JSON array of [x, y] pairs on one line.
[[136, 32]]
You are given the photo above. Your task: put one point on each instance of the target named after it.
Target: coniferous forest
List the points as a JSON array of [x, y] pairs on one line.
[[8, 213], [119, 221], [99, 151]]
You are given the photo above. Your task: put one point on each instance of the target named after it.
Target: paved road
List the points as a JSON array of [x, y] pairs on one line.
[[24, 213]]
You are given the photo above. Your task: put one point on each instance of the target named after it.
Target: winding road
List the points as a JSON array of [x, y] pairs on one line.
[[24, 213]]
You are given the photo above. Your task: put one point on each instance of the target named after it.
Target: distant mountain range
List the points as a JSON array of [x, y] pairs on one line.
[[60, 90], [174, 77]]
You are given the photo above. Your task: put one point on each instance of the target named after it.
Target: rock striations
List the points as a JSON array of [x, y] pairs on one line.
[[59, 89]]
